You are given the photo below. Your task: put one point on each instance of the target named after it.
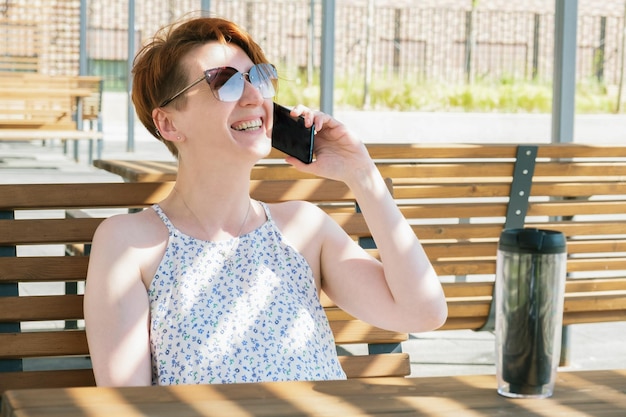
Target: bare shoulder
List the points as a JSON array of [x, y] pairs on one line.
[[128, 247], [297, 214], [305, 226], [132, 228]]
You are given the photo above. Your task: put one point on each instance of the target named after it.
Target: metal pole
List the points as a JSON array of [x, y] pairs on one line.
[[328, 56], [564, 89], [205, 6], [564, 80], [310, 61], [620, 84], [130, 141], [82, 70], [369, 60], [82, 55]]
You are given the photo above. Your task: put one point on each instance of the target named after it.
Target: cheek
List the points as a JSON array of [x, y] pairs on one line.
[[208, 120], [269, 118]]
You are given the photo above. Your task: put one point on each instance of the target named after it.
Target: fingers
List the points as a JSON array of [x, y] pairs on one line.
[[311, 117]]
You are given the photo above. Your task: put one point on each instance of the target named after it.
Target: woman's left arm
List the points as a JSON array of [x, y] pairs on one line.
[[403, 292]]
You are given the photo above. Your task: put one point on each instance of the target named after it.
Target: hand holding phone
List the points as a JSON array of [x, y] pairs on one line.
[[291, 136]]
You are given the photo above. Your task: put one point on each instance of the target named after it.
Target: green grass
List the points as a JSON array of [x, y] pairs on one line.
[[508, 96]]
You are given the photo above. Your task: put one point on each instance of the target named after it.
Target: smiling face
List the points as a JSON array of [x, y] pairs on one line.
[[170, 61], [239, 127]]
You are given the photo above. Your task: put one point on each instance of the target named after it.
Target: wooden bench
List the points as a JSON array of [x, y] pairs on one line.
[[36, 323], [41, 107], [459, 197]]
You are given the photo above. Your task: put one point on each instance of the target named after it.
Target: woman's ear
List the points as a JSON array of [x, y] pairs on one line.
[[166, 129]]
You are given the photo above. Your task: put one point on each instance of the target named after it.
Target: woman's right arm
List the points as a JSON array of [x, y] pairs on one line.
[[116, 307]]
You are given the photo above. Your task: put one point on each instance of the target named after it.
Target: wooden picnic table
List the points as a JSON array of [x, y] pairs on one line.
[[139, 170], [22, 92], [163, 171], [581, 393]]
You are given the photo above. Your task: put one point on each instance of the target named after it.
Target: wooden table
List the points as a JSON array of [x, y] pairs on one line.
[[161, 171], [583, 393], [138, 170], [71, 92]]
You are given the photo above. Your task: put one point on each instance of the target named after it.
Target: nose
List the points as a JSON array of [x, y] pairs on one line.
[[250, 91]]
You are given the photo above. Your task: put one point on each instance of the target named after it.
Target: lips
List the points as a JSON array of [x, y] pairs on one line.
[[248, 125]]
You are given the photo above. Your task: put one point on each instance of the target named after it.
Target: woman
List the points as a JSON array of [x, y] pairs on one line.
[[210, 286]]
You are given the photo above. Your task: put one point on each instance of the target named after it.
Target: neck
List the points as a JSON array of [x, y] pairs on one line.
[[227, 218]]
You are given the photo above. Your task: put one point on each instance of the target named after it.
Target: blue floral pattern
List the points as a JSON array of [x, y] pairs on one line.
[[242, 310]]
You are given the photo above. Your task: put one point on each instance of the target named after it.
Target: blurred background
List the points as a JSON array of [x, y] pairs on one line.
[[409, 55], [404, 71]]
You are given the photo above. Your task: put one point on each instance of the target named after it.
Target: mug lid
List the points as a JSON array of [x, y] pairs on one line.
[[532, 240]]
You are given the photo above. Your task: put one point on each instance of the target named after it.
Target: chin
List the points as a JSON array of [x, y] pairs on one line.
[[263, 146]]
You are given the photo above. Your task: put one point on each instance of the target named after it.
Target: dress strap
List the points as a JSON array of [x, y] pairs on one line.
[[159, 211], [266, 209]]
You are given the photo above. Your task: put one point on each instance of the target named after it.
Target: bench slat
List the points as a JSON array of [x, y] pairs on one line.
[[575, 207], [393, 364], [604, 301], [426, 173], [498, 209], [462, 323], [48, 231], [81, 195], [356, 331], [43, 268], [43, 344], [485, 288], [368, 366], [471, 190], [465, 266], [456, 210], [74, 342], [46, 379], [599, 316], [595, 284], [579, 227], [495, 150], [41, 308], [578, 189], [80, 230], [108, 195]]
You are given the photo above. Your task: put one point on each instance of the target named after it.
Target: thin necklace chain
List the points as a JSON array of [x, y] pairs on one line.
[[245, 219]]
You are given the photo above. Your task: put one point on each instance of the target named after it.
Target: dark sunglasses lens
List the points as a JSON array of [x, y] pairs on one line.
[[226, 83]]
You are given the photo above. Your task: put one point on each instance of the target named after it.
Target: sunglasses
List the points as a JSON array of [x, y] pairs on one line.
[[227, 83]]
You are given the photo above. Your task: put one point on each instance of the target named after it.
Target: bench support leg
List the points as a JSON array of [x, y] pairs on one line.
[[9, 290], [565, 351], [384, 348]]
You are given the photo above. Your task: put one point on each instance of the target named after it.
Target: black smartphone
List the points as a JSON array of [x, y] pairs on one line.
[[289, 135]]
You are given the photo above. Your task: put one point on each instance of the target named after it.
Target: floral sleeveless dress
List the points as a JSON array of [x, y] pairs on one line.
[[241, 310]]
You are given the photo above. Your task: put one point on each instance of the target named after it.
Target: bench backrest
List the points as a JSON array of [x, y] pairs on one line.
[[460, 197], [36, 233]]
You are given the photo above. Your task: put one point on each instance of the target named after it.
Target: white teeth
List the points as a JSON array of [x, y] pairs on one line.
[[252, 124]]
